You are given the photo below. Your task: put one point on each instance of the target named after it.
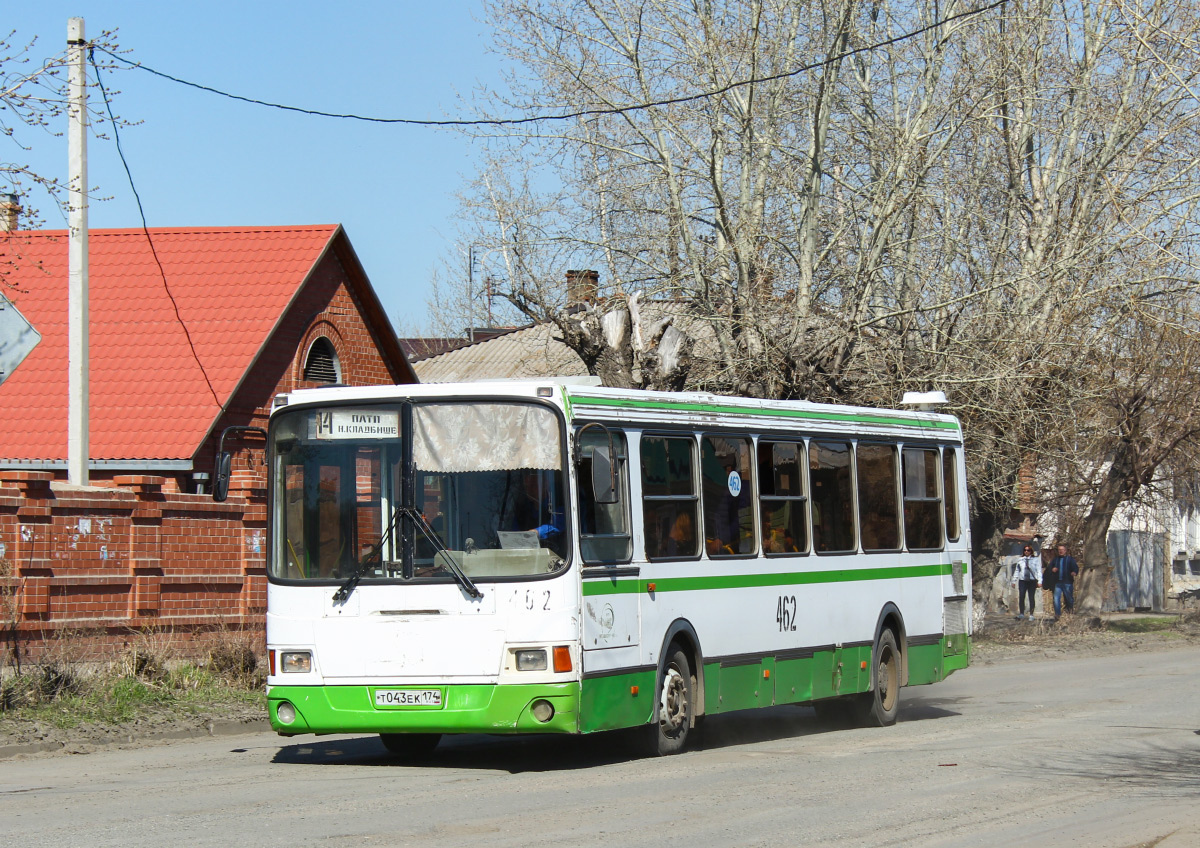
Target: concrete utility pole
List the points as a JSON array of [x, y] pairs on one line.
[[77, 253]]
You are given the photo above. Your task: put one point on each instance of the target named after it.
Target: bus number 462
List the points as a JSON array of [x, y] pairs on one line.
[[785, 613]]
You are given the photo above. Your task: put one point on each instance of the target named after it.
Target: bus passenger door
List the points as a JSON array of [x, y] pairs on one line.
[[610, 582]]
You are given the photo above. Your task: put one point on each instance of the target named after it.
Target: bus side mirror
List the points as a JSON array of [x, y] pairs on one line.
[[604, 481], [221, 476]]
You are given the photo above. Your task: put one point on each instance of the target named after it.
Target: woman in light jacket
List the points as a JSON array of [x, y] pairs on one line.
[[1027, 576]]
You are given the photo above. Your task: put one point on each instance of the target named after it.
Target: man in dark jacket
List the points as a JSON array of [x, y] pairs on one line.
[[1062, 571]]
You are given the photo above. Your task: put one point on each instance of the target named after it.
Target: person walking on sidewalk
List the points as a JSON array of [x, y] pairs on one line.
[[1027, 576], [1063, 568]]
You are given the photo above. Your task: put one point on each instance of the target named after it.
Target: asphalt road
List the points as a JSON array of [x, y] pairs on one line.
[[1095, 751]]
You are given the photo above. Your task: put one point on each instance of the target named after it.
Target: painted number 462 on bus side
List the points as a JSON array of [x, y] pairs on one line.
[[785, 613]]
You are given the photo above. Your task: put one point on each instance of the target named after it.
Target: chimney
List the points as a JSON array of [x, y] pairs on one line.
[[582, 287], [10, 212]]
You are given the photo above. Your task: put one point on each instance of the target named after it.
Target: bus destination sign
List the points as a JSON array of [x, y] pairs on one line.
[[355, 424]]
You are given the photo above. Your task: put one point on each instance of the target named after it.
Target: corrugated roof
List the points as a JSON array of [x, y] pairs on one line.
[[149, 397], [423, 348], [534, 352], [526, 353]]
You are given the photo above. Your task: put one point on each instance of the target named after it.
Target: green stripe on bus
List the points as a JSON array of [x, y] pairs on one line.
[[616, 586], [814, 415], [626, 700]]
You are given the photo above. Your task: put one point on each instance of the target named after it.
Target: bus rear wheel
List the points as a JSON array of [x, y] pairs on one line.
[[879, 707], [674, 706], [410, 746]]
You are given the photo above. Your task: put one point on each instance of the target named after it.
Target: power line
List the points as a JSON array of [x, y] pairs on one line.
[[565, 116], [146, 229]]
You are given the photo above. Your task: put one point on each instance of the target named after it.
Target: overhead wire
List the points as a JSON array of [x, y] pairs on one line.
[[527, 119], [564, 116], [146, 229]]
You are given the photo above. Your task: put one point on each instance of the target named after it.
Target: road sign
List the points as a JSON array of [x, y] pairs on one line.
[[17, 338]]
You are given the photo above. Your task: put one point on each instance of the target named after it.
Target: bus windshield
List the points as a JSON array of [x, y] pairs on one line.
[[485, 489]]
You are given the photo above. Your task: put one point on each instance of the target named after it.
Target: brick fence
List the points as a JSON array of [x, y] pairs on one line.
[[90, 570]]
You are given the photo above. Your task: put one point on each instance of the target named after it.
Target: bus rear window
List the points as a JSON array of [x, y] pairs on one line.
[[950, 489]]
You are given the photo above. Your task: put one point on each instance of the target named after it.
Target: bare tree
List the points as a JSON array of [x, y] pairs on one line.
[[33, 100], [1091, 240], [981, 206]]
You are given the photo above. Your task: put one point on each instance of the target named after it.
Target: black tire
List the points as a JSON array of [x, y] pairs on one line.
[[410, 746], [880, 706], [674, 705]]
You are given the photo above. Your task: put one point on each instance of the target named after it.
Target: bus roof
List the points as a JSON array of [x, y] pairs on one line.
[[583, 400]]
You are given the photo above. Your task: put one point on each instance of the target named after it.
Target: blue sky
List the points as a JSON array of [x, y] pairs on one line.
[[199, 159]]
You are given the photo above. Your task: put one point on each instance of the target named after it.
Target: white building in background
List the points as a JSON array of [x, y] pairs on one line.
[[1154, 546]]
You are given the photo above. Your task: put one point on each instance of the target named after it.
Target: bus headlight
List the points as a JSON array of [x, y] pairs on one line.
[[531, 660], [296, 662], [542, 710]]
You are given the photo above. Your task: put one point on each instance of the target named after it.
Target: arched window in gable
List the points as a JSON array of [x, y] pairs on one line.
[[321, 365]]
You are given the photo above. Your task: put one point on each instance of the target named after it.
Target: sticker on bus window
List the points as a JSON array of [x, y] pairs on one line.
[[354, 424], [735, 483]]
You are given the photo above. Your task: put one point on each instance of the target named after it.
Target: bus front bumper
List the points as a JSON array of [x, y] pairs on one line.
[[463, 708]]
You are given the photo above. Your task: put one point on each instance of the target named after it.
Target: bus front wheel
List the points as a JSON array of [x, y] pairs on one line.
[[410, 746], [878, 708], [674, 706]]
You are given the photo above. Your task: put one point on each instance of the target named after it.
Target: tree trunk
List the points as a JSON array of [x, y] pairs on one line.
[[987, 539], [1119, 484]]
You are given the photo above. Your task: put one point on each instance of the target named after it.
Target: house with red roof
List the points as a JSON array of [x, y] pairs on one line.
[[192, 330]]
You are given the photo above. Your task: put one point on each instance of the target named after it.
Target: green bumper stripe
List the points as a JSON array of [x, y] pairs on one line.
[[616, 586], [601, 703], [466, 709], [805, 414]]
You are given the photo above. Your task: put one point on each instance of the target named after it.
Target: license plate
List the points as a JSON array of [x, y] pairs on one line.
[[408, 697]]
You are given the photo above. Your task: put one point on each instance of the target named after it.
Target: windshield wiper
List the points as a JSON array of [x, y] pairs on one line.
[[432, 537], [360, 569]]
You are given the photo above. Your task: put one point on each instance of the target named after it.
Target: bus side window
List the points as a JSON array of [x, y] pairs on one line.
[[878, 506], [669, 501], [922, 503], [781, 498], [950, 490], [604, 535], [832, 493], [728, 503]]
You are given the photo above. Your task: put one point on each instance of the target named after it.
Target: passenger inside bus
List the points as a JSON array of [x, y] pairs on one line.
[[681, 541]]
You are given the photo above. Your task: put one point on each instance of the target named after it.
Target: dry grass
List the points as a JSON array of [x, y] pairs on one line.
[[150, 677]]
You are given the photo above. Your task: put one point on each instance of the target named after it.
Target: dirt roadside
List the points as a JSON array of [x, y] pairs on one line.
[[998, 639], [152, 726]]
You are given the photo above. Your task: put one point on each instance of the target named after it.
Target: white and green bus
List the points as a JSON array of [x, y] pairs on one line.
[[557, 557]]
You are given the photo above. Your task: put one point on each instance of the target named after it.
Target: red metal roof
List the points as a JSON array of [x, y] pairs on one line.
[[149, 396]]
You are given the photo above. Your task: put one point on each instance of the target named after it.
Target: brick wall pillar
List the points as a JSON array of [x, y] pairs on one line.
[[253, 489], [145, 544], [30, 551]]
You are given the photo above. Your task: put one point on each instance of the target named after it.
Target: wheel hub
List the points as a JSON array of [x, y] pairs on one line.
[[674, 705], [883, 679]]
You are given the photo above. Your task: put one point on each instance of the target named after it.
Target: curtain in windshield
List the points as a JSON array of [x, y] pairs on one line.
[[485, 437]]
